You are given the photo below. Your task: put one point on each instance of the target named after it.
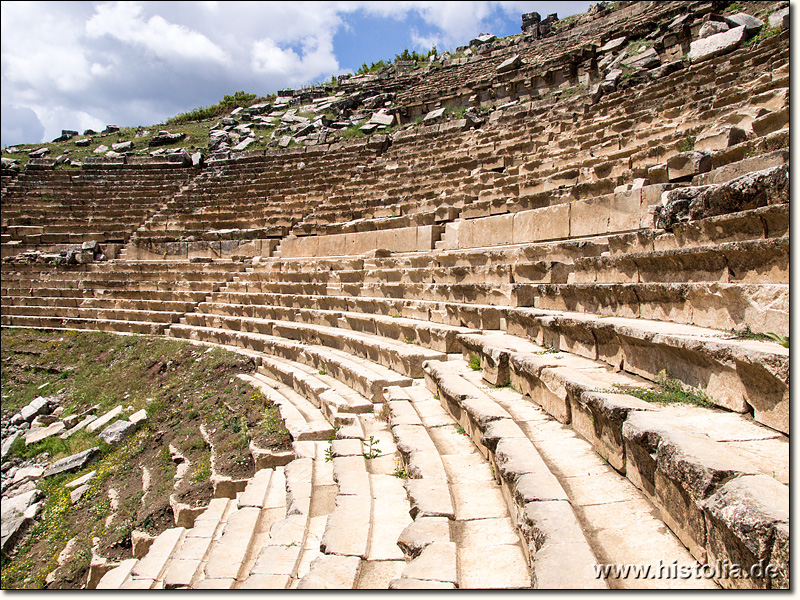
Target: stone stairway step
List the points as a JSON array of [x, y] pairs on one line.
[[736, 373], [698, 436], [302, 418]]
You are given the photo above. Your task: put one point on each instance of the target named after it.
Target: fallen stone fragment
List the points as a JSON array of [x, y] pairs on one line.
[[715, 45], [117, 432], [73, 463]]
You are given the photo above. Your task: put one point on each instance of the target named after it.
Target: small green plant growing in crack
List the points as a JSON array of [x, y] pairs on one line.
[[371, 451], [460, 430], [399, 471], [687, 145], [548, 349], [329, 451], [670, 390], [474, 362], [322, 371]]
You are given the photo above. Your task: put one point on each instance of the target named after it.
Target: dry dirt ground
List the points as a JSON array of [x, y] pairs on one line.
[[180, 386]]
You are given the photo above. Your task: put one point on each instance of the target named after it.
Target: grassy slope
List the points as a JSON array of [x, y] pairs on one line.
[[179, 385]]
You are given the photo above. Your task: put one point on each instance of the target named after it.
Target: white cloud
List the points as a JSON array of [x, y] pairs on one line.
[[316, 59], [125, 22]]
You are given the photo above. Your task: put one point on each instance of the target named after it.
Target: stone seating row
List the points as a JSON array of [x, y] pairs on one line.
[[532, 513], [695, 441]]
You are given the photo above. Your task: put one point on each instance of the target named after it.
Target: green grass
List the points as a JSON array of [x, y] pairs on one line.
[[765, 33], [474, 362], [670, 390], [686, 145]]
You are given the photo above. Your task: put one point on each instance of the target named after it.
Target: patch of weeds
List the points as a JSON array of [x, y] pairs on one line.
[[747, 334], [548, 349], [202, 472], [670, 390], [474, 362], [322, 371], [764, 33], [687, 145], [637, 47], [352, 132], [400, 472], [371, 451], [460, 430], [329, 452]]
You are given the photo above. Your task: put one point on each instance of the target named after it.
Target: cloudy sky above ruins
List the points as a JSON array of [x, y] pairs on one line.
[[79, 65]]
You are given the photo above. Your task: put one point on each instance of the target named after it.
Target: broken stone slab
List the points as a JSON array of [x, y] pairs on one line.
[[746, 520], [78, 493], [418, 584], [17, 505], [720, 139], [165, 138], [40, 152], [433, 116], [244, 144], [11, 531], [710, 28], [612, 45], [715, 45], [105, 419], [74, 462], [484, 38], [665, 69], [422, 533], [753, 190], [122, 146], [510, 64], [429, 498], [117, 432], [750, 23], [381, 118], [685, 165], [331, 573], [37, 406], [436, 562], [101, 149], [7, 443], [779, 19], [644, 60], [41, 433], [81, 480], [138, 416]]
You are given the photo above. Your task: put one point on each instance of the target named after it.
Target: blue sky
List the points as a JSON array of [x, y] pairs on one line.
[[79, 65]]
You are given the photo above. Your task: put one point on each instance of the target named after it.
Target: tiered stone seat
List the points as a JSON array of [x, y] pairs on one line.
[[136, 297], [52, 209]]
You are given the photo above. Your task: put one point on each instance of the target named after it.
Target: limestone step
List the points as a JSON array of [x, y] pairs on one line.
[[751, 261], [300, 417], [441, 338], [728, 369], [462, 535], [562, 493], [399, 356], [41, 322], [705, 440], [763, 223], [763, 308]]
